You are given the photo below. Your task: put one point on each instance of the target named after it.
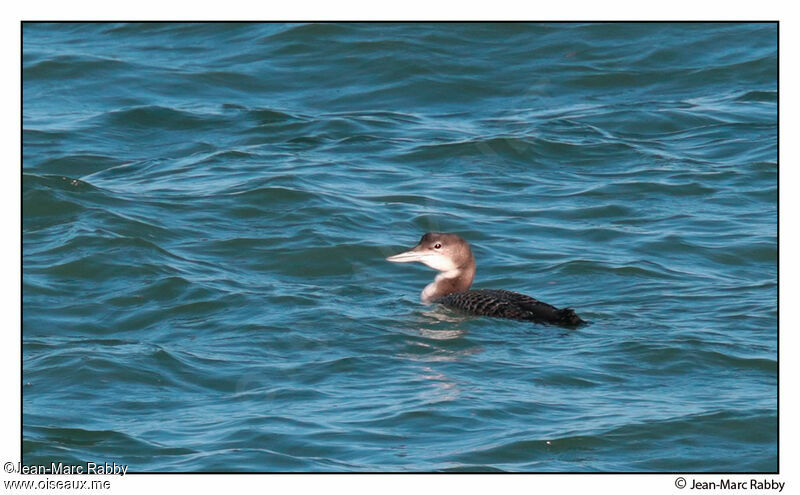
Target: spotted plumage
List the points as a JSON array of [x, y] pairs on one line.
[[507, 304]]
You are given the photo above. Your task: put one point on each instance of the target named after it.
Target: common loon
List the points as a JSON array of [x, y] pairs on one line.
[[452, 257]]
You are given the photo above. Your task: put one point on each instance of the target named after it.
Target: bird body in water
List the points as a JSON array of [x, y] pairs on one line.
[[452, 257]]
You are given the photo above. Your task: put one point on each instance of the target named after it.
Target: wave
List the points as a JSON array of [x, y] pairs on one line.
[[75, 67], [161, 117]]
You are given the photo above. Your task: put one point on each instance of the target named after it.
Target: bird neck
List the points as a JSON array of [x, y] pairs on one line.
[[457, 280]]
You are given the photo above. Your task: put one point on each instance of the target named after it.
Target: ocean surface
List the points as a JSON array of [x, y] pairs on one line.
[[207, 209]]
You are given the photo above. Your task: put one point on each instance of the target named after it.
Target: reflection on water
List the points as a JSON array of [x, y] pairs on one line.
[[441, 334], [442, 314], [445, 388]]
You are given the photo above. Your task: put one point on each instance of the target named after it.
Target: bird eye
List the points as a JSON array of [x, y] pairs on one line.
[[437, 246]]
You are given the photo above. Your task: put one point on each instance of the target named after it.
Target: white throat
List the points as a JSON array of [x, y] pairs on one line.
[[429, 293]]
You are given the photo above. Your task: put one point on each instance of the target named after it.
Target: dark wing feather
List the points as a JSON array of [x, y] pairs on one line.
[[507, 304]]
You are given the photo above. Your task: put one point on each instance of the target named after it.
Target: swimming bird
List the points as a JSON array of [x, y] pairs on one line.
[[452, 257]]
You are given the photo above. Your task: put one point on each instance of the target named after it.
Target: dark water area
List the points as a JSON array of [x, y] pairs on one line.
[[207, 209]]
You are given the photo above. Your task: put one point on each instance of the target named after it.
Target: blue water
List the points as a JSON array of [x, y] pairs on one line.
[[207, 209]]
